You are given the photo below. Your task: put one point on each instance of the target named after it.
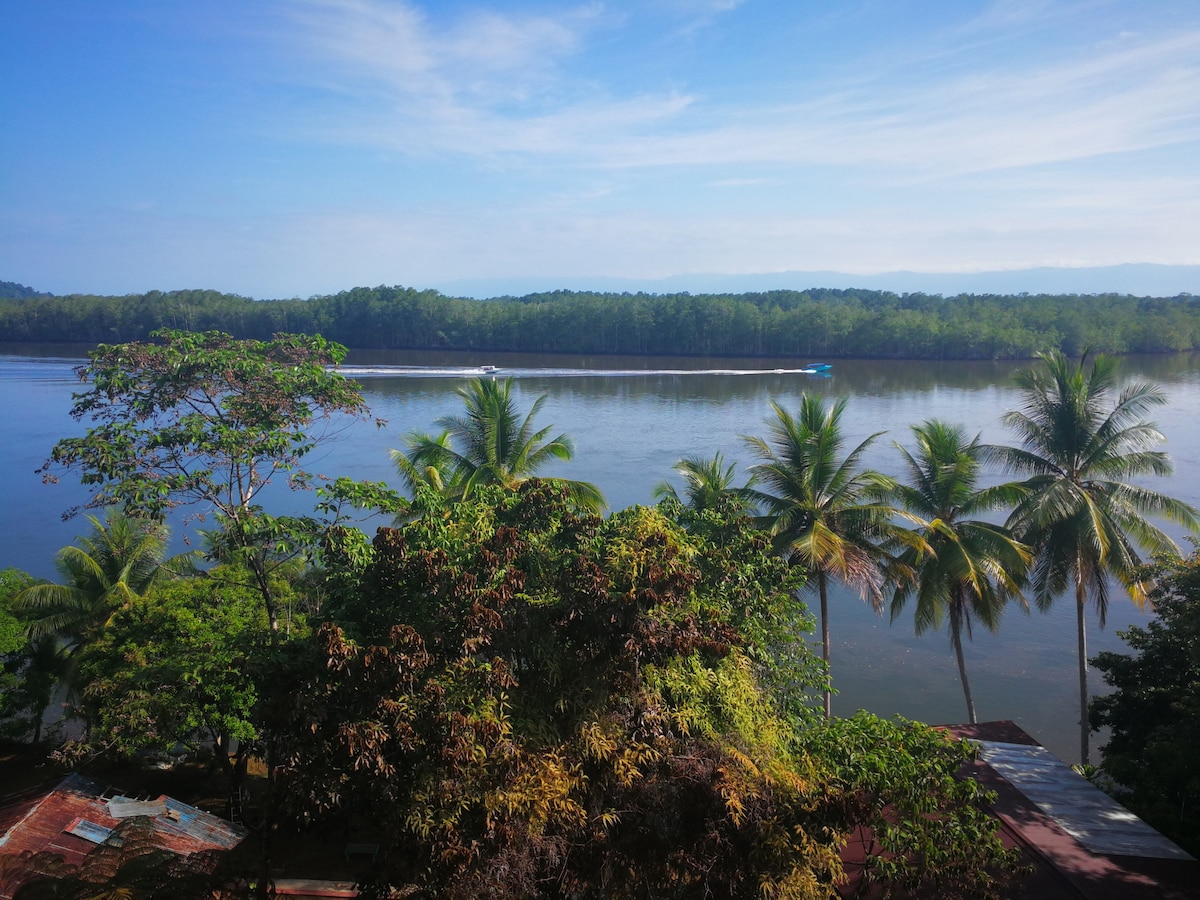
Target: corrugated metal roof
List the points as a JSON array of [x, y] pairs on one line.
[[185, 820], [124, 807], [89, 831], [1089, 815], [47, 824]]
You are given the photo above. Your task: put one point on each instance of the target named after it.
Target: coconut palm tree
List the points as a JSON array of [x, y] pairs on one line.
[[489, 444], [708, 483], [118, 561], [824, 511], [1081, 514], [968, 568]]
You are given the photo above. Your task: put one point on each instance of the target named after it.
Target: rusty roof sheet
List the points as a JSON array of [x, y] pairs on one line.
[[47, 824]]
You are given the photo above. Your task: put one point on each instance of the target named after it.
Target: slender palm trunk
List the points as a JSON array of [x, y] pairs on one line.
[[956, 639], [1080, 609], [821, 587]]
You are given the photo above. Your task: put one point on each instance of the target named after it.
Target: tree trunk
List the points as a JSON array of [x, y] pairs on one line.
[[266, 884], [956, 639], [821, 586], [221, 754], [258, 567], [1080, 609], [264, 588]]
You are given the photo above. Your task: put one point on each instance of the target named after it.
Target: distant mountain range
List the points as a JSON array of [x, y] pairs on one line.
[[12, 290], [1138, 279]]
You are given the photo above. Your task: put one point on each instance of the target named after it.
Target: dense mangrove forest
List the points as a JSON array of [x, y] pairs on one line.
[[817, 323]]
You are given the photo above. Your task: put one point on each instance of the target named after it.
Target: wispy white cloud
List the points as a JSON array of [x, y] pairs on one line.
[[738, 182], [398, 45], [1128, 100], [494, 85], [407, 141], [1002, 16], [698, 14]]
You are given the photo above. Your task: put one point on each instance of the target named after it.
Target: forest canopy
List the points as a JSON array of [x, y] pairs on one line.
[[817, 323]]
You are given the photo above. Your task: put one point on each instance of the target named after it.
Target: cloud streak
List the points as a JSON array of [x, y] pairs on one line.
[[498, 87]]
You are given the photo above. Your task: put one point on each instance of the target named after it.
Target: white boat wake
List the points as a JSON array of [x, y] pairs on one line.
[[519, 372]]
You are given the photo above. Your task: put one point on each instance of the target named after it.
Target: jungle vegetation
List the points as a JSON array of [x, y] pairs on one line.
[[817, 323], [515, 696], [1153, 753]]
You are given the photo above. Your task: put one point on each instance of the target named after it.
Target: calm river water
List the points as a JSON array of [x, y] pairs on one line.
[[631, 420]]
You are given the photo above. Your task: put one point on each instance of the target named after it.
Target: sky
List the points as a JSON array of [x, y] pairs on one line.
[[280, 148]]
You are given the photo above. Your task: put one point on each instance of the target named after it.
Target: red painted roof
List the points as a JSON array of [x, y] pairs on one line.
[[54, 822]]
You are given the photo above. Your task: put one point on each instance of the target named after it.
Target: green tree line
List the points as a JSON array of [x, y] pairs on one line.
[[817, 323]]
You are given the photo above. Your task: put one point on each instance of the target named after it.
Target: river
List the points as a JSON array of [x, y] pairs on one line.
[[631, 419]]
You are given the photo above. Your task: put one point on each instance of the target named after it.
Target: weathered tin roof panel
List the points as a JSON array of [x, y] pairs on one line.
[[1081, 809]]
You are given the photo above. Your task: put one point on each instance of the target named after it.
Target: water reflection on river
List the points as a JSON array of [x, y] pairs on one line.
[[631, 420]]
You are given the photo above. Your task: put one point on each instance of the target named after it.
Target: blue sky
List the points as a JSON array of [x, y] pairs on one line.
[[279, 149]]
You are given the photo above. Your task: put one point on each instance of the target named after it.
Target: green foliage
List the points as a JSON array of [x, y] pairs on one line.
[[825, 512], [529, 702], [176, 667], [708, 484], [797, 324], [204, 419], [964, 569], [1153, 753], [546, 704], [13, 637], [201, 418], [929, 832], [120, 560], [1080, 512], [490, 444], [19, 675]]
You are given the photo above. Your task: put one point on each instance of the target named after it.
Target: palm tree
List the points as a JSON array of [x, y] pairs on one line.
[[968, 568], [1085, 521], [708, 483], [825, 513], [119, 561], [490, 444]]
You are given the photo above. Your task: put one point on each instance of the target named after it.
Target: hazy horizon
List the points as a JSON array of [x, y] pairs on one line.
[[1131, 279]]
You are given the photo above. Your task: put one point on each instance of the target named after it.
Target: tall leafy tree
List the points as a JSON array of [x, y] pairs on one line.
[[207, 422], [826, 513], [966, 569], [490, 443], [175, 667], [1079, 448]]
